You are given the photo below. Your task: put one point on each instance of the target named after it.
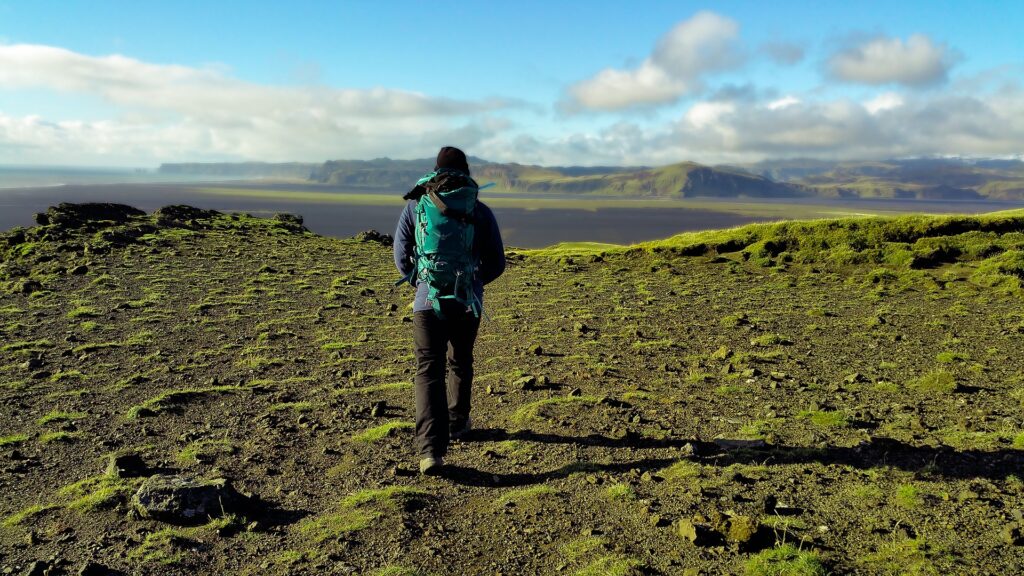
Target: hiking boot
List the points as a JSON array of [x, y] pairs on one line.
[[460, 433], [431, 465]]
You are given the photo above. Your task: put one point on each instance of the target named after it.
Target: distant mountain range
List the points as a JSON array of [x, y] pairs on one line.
[[943, 178]]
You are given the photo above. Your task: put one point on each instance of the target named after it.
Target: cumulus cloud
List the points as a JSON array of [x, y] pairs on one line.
[[694, 48], [717, 131], [916, 62], [171, 111]]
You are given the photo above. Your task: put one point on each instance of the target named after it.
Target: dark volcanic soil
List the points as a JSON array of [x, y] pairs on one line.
[[637, 414]]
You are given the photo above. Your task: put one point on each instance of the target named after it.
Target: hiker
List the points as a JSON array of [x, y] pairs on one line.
[[448, 246]]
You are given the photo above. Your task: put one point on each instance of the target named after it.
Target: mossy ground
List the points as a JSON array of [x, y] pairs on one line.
[[761, 374]]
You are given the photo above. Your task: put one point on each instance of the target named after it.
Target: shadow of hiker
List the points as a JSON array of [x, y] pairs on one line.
[[941, 461]]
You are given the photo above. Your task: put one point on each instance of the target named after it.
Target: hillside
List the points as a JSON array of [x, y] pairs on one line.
[[822, 396], [920, 179], [923, 179]]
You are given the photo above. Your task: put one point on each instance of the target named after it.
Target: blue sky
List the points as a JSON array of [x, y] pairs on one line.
[[137, 83]]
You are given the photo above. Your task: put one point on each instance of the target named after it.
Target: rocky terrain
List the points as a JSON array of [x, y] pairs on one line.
[[190, 392]]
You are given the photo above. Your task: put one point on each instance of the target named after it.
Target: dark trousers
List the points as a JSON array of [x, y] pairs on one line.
[[443, 347]]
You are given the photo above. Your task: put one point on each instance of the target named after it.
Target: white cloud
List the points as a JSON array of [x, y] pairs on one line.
[[917, 62], [783, 102], [694, 48], [716, 131], [176, 112], [883, 102]]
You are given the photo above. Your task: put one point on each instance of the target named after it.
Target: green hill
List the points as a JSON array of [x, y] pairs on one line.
[[924, 179], [833, 396]]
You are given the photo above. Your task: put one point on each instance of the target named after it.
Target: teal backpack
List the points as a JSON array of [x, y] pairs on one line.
[[444, 238]]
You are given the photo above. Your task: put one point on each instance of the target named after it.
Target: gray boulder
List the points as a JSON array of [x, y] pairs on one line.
[[187, 500]]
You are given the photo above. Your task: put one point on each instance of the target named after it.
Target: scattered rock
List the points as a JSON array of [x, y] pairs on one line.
[[126, 466], [79, 270], [699, 534], [854, 378], [186, 500], [537, 350], [94, 569], [741, 529], [378, 409], [1012, 534], [182, 216], [375, 236], [575, 392], [72, 216], [293, 222], [28, 286]]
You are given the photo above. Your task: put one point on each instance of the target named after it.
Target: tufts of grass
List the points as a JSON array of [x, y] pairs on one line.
[[375, 388], [27, 346], [520, 495], [204, 449], [96, 492], [168, 546], [355, 512], [951, 357], [396, 571], [48, 437], [83, 312], [824, 418], [935, 382], [904, 556], [27, 513], [908, 496], [766, 340], [166, 399], [12, 439], [581, 547], [59, 416], [379, 432], [534, 410], [785, 560], [621, 492]]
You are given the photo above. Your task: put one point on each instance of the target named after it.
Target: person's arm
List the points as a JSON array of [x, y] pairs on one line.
[[405, 240], [492, 249]]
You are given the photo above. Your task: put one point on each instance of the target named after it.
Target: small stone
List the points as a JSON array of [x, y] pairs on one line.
[[378, 409], [687, 530], [1012, 534], [37, 568], [537, 350], [741, 529], [32, 538], [126, 466], [657, 520], [94, 569], [489, 389], [575, 392], [79, 270]]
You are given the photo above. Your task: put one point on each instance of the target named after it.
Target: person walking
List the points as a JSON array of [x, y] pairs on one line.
[[447, 245]]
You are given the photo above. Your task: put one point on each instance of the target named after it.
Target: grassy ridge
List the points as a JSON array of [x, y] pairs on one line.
[[994, 242]]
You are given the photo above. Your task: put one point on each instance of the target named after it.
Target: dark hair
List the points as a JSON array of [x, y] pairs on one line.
[[452, 158]]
